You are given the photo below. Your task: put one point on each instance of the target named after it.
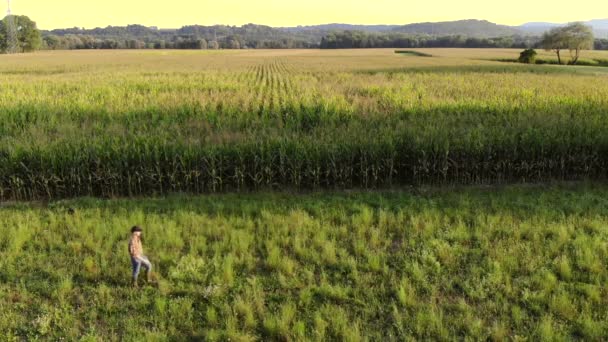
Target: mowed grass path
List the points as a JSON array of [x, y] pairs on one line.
[[508, 263]]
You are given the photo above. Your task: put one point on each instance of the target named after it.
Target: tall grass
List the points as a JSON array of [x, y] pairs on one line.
[[478, 264], [212, 122]]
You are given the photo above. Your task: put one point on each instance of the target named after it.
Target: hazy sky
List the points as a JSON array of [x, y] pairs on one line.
[[176, 13]]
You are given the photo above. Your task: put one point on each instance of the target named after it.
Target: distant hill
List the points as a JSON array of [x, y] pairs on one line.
[[468, 28], [599, 23], [600, 27], [534, 25], [342, 27]]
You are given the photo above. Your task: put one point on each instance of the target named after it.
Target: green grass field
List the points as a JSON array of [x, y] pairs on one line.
[[294, 195], [508, 263], [108, 123]]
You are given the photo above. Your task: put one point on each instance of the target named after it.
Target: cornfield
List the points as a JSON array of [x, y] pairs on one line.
[[143, 123]]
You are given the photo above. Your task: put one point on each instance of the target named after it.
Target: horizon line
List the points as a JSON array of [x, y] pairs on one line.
[[321, 24]]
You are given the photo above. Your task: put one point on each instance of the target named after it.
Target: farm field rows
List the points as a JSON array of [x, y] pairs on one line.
[[126, 123], [510, 263]]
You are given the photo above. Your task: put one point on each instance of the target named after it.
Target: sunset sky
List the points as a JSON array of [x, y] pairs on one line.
[[51, 14]]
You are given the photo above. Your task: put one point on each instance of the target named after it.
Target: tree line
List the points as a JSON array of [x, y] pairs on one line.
[[359, 39], [560, 38], [74, 42], [248, 36], [600, 44]]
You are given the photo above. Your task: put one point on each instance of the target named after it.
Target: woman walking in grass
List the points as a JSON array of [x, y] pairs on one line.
[[138, 259]]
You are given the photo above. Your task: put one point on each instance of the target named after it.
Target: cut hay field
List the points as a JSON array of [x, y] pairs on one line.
[[513, 263], [126, 123]]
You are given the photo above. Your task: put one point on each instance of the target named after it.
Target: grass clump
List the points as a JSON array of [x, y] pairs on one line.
[[413, 53]]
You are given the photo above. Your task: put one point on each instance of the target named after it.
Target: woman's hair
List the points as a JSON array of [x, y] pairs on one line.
[[135, 229]]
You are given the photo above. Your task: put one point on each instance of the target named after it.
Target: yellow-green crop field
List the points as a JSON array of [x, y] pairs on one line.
[[303, 195], [108, 123]]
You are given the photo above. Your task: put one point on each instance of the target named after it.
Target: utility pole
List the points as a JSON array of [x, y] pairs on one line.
[[12, 42]]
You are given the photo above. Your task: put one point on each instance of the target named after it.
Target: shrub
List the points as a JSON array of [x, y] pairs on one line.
[[527, 56]]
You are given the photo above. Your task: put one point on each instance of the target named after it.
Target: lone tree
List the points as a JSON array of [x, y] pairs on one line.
[[580, 37], [28, 36], [573, 37]]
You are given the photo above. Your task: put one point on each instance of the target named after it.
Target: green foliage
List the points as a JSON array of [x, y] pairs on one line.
[[395, 39], [187, 37], [527, 56], [413, 53], [27, 34], [523, 262], [573, 37]]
